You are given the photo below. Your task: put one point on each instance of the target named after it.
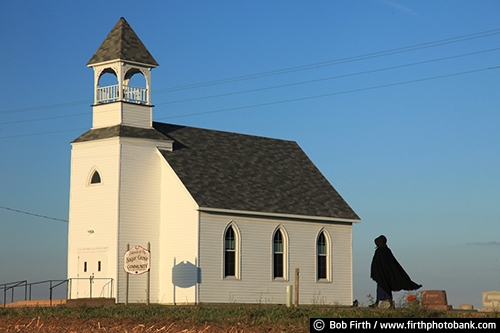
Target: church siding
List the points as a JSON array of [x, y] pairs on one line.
[[136, 115], [105, 115], [179, 240], [139, 214], [255, 284], [128, 114], [93, 215], [342, 262]]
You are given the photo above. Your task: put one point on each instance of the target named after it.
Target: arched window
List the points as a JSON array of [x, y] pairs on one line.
[[107, 87], [134, 87], [96, 178], [322, 250], [231, 252], [107, 77], [278, 255]]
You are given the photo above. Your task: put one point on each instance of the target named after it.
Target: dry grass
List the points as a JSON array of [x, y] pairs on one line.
[[232, 318], [56, 325]]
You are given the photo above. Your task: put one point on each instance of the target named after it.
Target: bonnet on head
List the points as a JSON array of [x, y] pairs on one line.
[[381, 241]]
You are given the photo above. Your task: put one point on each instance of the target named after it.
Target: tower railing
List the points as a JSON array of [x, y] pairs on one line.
[[131, 94], [135, 94], [107, 94]]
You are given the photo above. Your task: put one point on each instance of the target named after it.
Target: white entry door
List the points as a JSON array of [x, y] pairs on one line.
[[92, 279]]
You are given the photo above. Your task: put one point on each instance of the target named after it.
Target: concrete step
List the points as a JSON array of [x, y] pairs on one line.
[[68, 302], [36, 302]]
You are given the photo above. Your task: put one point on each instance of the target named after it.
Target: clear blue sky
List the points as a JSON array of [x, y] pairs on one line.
[[397, 102]]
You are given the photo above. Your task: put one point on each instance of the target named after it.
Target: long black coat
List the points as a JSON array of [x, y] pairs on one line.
[[388, 273]]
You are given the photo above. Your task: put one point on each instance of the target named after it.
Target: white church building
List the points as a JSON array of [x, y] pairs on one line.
[[228, 217]]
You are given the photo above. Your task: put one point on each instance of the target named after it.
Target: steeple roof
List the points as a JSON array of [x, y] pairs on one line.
[[122, 43]]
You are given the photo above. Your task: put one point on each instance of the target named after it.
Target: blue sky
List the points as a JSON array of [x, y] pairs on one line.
[[396, 102]]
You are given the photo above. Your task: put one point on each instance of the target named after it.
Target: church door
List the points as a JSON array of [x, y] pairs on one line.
[[92, 279]]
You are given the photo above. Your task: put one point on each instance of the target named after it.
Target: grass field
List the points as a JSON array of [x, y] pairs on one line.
[[200, 318]]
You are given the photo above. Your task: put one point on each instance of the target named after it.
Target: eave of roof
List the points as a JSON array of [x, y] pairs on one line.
[[277, 215], [121, 131]]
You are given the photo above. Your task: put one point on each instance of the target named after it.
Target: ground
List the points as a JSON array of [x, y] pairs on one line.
[[69, 325]]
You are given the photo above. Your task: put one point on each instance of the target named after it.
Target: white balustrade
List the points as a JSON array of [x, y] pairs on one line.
[[131, 94], [135, 94]]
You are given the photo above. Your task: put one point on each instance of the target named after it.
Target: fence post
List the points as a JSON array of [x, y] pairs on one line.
[[289, 295], [296, 303], [91, 281]]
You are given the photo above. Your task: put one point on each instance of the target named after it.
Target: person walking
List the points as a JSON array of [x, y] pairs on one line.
[[388, 273]]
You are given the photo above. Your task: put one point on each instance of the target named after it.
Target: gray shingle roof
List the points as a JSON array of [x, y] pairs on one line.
[[124, 44], [122, 131], [232, 171], [238, 172]]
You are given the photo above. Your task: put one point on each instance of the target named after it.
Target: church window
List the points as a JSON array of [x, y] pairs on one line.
[[322, 256], [230, 253], [278, 255], [96, 178]]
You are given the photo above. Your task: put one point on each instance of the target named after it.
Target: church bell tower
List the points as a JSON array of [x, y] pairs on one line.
[[114, 187], [123, 55]]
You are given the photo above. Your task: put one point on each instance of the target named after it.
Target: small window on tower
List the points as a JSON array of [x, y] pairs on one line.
[[98, 266], [85, 266], [96, 178]]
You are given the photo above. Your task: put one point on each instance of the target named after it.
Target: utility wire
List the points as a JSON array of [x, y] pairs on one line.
[[327, 78], [331, 94], [277, 86], [292, 100], [45, 107], [44, 133], [33, 214], [337, 61], [46, 118], [289, 70]]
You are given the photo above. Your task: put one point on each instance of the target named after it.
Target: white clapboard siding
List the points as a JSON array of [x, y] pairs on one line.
[[255, 283], [93, 218], [139, 215], [129, 114], [137, 115], [123, 208], [179, 240]]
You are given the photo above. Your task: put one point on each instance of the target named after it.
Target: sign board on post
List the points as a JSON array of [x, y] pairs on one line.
[[136, 260]]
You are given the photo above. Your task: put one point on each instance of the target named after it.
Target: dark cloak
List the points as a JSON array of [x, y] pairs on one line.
[[388, 273]]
